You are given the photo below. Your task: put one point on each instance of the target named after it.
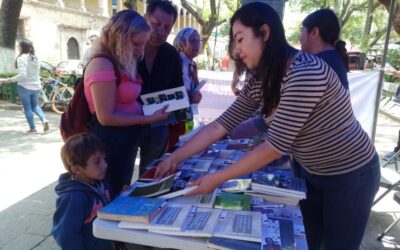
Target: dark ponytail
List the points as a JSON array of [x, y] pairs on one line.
[[329, 29], [340, 47]]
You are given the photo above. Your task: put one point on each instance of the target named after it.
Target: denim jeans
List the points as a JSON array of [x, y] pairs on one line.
[[29, 99], [337, 207], [152, 144], [120, 144]]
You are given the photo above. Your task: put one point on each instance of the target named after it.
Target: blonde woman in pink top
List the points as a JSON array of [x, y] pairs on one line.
[[117, 111]]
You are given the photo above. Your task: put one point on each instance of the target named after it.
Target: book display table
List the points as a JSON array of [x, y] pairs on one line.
[[240, 211], [109, 230]]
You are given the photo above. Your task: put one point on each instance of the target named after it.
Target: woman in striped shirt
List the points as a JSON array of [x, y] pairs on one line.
[[310, 115]]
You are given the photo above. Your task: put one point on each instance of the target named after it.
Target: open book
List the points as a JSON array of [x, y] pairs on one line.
[[240, 225], [199, 222], [152, 189]]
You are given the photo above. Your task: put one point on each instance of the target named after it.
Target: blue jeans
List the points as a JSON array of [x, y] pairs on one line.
[[120, 144], [337, 207], [29, 99], [152, 143]]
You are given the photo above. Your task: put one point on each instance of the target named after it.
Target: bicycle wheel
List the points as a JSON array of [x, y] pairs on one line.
[[61, 99]]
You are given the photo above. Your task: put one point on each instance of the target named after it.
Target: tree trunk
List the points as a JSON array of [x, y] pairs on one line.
[[9, 15], [396, 16]]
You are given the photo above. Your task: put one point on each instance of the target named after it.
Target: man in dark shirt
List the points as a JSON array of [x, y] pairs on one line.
[[160, 69]]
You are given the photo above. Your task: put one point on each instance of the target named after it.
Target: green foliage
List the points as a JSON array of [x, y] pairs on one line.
[[393, 58], [8, 91]]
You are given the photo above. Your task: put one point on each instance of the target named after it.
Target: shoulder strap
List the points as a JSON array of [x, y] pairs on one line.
[[114, 62]]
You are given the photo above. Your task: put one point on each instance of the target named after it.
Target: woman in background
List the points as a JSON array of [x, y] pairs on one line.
[[188, 44], [29, 85]]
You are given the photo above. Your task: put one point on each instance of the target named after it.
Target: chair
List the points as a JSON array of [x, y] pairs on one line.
[[394, 158], [396, 198]]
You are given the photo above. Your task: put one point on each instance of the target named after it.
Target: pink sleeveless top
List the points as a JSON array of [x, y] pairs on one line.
[[127, 91]]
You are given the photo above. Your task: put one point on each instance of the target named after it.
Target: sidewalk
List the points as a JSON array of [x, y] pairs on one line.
[[27, 223]]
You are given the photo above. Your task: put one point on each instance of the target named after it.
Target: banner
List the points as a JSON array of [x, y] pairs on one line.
[[218, 96]]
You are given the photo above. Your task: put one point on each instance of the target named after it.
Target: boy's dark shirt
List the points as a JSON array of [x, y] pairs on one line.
[[166, 72]]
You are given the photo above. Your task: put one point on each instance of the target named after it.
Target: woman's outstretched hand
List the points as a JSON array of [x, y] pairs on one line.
[[205, 184], [160, 114], [165, 167]]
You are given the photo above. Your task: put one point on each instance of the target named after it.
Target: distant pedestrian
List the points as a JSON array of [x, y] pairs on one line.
[[29, 85], [81, 193], [88, 53]]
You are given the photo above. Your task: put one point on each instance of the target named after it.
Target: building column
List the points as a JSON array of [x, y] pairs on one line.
[[82, 6], [103, 6], [60, 3], [178, 19], [184, 18], [119, 5]]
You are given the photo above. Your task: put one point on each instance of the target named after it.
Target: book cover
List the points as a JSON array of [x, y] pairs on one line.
[[231, 244], [241, 225], [170, 218], [177, 193], [152, 189], [134, 209], [277, 234], [278, 182], [149, 175], [233, 201], [200, 200], [175, 98], [236, 185], [199, 222]]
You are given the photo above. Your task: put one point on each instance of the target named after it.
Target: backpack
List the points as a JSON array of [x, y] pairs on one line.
[[77, 118]]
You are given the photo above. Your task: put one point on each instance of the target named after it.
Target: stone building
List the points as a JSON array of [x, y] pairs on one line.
[[60, 29]]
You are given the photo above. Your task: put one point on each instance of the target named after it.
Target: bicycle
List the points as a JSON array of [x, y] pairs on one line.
[[56, 93]]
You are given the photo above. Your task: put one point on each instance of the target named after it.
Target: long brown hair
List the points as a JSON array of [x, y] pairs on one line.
[[276, 53]]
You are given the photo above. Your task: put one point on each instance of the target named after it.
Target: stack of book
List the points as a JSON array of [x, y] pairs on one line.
[[279, 185]]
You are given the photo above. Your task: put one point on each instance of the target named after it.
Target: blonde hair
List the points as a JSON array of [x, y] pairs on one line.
[[116, 35], [182, 38]]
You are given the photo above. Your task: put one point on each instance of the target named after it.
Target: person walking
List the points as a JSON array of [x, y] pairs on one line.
[[29, 85]]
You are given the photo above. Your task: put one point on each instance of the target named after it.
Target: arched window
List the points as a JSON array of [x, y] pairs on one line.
[[73, 49]]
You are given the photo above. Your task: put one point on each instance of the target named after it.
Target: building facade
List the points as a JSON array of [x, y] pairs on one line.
[[59, 29]]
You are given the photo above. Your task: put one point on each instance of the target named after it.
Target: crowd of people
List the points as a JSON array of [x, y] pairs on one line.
[[300, 98]]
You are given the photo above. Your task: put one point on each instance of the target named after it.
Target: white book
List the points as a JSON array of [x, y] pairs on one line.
[[200, 200], [240, 225], [274, 198], [177, 193], [170, 218], [175, 98], [199, 222]]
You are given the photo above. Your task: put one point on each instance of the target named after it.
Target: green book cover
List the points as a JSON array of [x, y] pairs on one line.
[[233, 201]]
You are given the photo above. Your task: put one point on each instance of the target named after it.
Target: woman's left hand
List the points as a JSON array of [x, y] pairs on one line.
[[205, 184]]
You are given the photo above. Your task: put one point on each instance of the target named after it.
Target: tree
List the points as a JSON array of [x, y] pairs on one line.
[[396, 16], [9, 15], [362, 22], [208, 20]]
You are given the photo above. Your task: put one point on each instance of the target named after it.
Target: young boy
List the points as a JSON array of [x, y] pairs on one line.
[[81, 193]]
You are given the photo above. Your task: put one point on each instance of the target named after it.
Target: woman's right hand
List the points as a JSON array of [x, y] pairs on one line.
[[166, 166], [160, 114]]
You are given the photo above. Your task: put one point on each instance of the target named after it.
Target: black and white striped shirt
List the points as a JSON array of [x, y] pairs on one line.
[[314, 119]]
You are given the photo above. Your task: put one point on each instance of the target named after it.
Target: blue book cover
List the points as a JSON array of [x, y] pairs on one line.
[[134, 209]]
